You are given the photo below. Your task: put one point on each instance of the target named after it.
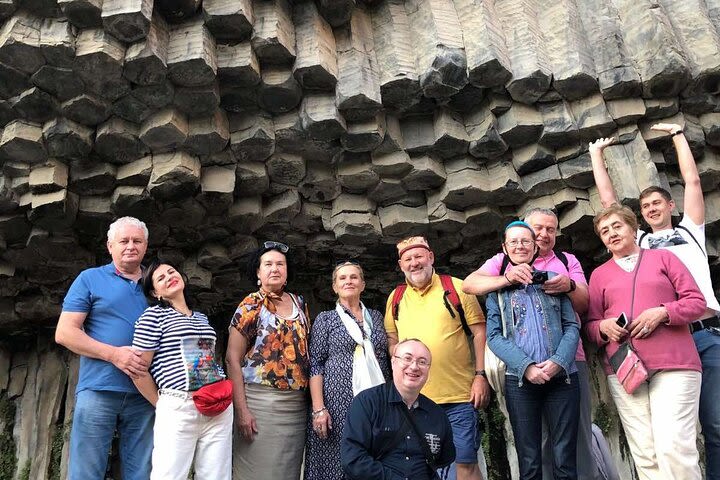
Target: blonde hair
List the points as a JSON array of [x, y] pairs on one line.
[[625, 214], [346, 264]]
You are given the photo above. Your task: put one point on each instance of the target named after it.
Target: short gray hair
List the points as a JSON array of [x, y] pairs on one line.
[[533, 210], [123, 221]]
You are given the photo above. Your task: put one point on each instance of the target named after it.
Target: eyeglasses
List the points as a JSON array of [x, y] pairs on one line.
[[407, 360], [270, 245], [515, 243]]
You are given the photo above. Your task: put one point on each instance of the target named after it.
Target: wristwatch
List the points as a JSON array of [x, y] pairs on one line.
[[573, 286], [480, 373], [677, 133]]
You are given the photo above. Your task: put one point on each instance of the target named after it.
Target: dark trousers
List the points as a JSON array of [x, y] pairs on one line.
[[559, 402]]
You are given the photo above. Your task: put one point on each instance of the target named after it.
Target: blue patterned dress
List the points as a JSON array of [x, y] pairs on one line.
[[331, 355]]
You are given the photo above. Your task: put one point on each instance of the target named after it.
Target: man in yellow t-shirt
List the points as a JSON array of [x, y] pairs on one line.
[[457, 381]]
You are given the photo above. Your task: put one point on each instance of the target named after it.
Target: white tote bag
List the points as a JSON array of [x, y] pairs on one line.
[[494, 367]]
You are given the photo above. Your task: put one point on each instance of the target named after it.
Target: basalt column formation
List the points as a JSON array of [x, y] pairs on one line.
[[335, 126]]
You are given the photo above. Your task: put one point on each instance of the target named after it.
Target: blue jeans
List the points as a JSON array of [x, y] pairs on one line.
[[97, 415], [708, 346], [587, 468], [559, 402]]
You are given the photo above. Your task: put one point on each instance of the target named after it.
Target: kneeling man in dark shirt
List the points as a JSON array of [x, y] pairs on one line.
[[379, 441]]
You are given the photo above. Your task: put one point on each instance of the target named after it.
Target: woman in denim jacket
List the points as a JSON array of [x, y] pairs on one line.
[[538, 348]]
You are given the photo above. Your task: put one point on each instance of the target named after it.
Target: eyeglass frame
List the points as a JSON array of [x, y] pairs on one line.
[[519, 242], [417, 361]]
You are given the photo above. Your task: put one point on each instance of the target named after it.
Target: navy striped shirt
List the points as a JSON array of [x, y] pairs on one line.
[[184, 348]]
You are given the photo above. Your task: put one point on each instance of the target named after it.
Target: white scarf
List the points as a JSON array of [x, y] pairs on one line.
[[366, 370]]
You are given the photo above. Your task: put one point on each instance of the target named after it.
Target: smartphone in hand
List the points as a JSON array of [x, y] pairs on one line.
[[622, 320]]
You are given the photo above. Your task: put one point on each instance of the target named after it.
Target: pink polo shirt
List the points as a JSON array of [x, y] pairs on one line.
[[552, 263]]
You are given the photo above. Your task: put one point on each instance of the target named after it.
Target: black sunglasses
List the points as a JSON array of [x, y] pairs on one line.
[[281, 247]]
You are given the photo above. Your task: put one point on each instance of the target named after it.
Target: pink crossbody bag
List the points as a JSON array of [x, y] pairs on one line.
[[626, 363]]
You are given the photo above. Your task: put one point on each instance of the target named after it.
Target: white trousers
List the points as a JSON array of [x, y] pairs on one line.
[[182, 433], [660, 422]]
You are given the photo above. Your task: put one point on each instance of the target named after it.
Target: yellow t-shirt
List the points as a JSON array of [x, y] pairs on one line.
[[422, 315]]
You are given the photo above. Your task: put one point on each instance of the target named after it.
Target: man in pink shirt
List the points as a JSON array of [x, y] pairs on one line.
[[570, 280]]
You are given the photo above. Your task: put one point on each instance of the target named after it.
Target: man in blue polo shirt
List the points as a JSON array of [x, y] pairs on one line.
[[379, 440], [97, 322]]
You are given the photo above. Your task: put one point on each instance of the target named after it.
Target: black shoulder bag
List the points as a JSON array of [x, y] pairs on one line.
[[429, 457]]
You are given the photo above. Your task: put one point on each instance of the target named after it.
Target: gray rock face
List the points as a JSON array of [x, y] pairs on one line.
[[267, 113]]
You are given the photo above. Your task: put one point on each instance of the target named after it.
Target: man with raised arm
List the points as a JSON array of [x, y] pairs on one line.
[[97, 322], [497, 273], [393, 432], [432, 308], [687, 241]]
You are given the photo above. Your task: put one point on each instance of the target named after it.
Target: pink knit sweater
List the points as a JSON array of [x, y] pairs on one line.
[[661, 280]]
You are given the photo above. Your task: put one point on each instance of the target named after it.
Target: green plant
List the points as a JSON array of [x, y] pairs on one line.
[[603, 418], [8, 460], [493, 442], [25, 472], [59, 438]]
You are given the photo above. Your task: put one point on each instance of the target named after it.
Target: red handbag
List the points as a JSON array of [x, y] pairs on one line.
[[214, 398]]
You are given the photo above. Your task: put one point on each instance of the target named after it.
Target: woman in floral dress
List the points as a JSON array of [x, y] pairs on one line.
[[267, 361]]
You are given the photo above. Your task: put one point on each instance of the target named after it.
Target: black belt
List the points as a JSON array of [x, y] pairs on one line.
[[704, 323]]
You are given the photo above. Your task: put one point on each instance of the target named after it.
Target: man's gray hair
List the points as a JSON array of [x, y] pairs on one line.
[[124, 221], [545, 211]]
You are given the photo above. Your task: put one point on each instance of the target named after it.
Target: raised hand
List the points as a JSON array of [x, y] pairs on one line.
[[600, 144], [666, 127]]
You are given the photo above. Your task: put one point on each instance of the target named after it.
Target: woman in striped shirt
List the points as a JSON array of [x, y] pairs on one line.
[[179, 345]]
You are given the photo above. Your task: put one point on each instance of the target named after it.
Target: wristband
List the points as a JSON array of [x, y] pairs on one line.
[[677, 133], [480, 373], [318, 413], [506, 278], [573, 286]]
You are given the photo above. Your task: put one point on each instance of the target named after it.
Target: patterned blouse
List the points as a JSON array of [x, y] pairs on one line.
[[278, 346]]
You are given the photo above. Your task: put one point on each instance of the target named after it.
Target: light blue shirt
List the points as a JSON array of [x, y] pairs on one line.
[[530, 331]]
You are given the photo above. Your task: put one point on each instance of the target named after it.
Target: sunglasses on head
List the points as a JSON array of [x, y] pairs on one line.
[[281, 247]]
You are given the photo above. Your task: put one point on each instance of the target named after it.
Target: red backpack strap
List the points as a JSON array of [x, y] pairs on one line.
[[451, 297], [397, 296]]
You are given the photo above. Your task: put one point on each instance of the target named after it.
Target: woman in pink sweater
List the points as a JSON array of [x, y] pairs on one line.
[[659, 298]]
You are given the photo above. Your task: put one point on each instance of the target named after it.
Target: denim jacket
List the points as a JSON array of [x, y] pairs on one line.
[[561, 324]]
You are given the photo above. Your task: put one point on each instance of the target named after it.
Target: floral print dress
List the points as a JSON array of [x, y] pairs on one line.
[[277, 353]]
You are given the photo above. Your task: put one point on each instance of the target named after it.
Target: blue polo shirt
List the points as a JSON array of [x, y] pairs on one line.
[[378, 442], [112, 303]]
